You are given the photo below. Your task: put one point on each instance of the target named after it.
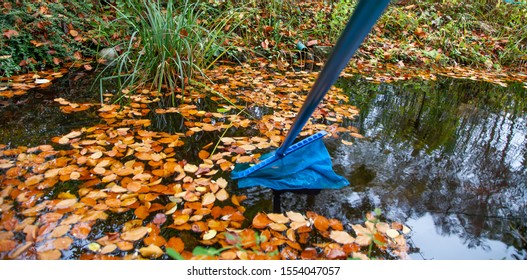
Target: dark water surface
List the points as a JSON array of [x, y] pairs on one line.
[[445, 157]]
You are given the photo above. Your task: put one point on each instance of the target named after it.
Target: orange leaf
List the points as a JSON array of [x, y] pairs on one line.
[[321, 223], [155, 239], [74, 33], [335, 224], [203, 154], [309, 254], [63, 243], [141, 212], [261, 221], [81, 230], [176, 243], [7, 245], [278, 218], [134, 234], [54, 254], [181, 219]]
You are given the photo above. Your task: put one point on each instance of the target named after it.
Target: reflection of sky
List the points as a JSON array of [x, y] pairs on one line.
[[450, 247], [478, 173]]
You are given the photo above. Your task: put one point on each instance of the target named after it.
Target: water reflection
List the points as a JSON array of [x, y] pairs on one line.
[[451, 149], [448, 153]]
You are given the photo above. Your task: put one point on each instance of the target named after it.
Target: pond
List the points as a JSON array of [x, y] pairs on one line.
[[446, 157]]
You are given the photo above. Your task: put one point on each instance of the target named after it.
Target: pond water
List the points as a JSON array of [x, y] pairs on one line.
[[446, 157]]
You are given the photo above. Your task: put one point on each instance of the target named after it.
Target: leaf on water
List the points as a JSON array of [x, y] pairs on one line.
[[208, 198], [392, 233], [261, 221], [209, 234], [277, 226], [406, 230], [54, 254], [176, 243], [290, 233], [222, 195], [203, 154], [63, 243], [94, 247], [341, 237], [295, 217], [134, 234], [66, 203], [222, 183], [181, 219], [190, 168], [60, 231], [321, 223], [108, 249], [152, 251], [278, 218], [141, 212], [7, 245], [363, 240]]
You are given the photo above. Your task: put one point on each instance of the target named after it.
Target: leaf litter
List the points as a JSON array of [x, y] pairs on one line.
[[124, 166]]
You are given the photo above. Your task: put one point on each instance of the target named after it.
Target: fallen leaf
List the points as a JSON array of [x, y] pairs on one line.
[[152, 251], [208, 198], [341, 237], [278, 218], [209, 234], [261, 221], [54, 254], [222, 195], [134, 234]]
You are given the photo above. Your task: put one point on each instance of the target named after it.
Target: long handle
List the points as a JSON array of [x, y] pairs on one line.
[[364, 17]]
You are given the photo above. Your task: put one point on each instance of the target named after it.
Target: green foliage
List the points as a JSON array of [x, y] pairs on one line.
[[36, 34]]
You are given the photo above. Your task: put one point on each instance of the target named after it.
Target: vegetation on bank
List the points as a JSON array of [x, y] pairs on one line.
[[38, 34]]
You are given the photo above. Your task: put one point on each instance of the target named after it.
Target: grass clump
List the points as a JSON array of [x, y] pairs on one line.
[[169, 45]]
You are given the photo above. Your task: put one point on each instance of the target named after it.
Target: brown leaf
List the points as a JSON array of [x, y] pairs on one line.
[[295, 217], [309, 254], [63, 243], [10, 33]]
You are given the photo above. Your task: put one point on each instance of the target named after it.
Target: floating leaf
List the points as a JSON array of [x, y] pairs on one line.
[[108, 249], [341, 237], [277, 226], [152, 251], [278, 218], [392, 233], [261, 221], [134, 234], [66, 203], [94, 247], [222, 195], [176, 243], [54, 254], [321, 223], [208, 198], [295, 217], [209, 234]]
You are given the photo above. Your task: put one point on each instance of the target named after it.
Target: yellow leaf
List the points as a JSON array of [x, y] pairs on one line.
[[209, 234], [94, 247]]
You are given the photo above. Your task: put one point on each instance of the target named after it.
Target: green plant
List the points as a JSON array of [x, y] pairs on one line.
[[38, 34], [169, 45]]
